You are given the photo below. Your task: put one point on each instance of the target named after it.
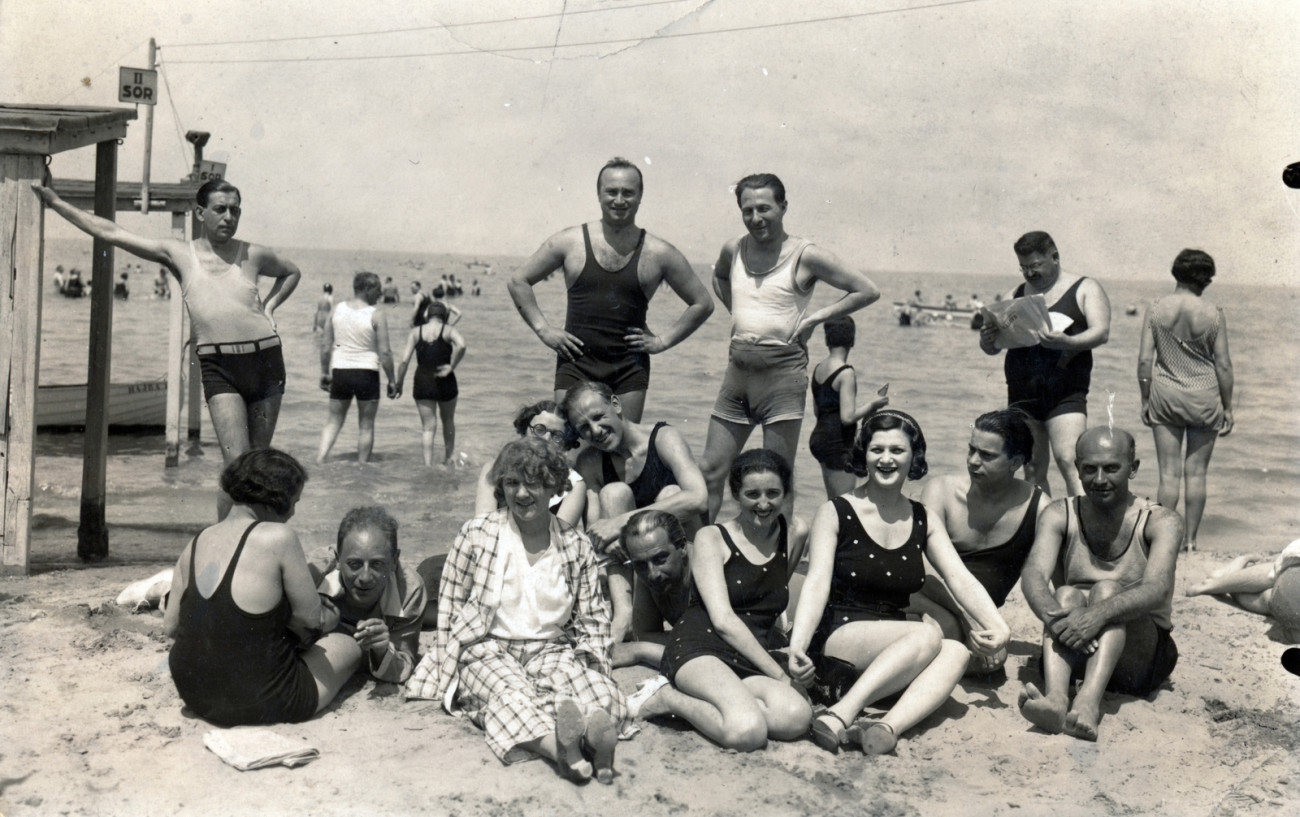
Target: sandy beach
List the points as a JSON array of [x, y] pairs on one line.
[[93, 725]]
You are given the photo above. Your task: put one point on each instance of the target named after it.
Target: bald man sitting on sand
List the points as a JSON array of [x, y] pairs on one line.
[[1109, 620]]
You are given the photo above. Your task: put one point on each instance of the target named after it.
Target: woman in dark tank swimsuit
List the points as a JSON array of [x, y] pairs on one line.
[[438, 348], [718, 653], [851, 631], [244, 610]]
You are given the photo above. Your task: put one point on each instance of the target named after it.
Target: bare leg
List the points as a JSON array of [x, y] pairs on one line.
[[428, 427], [930, 689], [333, 423], [332, 660], [1169, 456], [891, 654], [731, 716], [783, 438], [1063, 430], [262, 417], [723, 443], [1085, 713], [1200, 446], [447, 409], [366, 411], [837, 482], [786, 711], [230, 421], [1046, 710], [1246, 578], [1036, 468], [633, 403]]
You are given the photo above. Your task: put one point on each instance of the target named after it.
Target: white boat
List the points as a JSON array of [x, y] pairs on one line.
[[134, 406]]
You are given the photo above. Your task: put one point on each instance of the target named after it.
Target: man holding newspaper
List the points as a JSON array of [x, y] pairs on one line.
[[1049, 326]]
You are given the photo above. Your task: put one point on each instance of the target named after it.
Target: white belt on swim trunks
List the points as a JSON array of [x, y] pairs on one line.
[[237, 348]]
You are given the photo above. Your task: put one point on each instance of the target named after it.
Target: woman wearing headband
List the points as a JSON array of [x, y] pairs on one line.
[[867, 554]]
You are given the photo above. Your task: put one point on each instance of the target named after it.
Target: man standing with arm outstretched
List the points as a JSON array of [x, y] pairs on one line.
[[238, 348]]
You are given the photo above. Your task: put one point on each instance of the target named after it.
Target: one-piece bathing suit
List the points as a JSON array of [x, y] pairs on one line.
[[758, 595], [870, 582], [232, 667]]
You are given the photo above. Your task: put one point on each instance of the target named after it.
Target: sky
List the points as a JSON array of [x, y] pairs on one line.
[[911, 135]]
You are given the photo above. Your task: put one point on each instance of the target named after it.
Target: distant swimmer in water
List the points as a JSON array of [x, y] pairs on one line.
[[766, 279], [611, 269], [1049, 381], [120, 290], [1185, 377], [390, 291], [238, 348]]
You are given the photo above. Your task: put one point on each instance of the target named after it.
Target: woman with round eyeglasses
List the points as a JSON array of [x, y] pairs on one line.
[[543, 421]]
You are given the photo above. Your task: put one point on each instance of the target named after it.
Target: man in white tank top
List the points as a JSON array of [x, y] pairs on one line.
[[766, 279], [1109, 618], [234, 327]]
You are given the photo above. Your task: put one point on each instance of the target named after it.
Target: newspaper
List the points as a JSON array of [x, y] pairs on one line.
[[252, 747], [1023, 321]]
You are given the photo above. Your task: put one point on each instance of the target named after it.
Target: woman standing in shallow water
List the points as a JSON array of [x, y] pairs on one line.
[[1187, 390], [866, 558]]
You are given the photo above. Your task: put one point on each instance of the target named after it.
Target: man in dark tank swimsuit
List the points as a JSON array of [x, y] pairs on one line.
[[1050, 381], [990, 516], [612, 268]]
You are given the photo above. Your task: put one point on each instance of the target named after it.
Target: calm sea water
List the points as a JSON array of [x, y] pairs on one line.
[[936, 373]]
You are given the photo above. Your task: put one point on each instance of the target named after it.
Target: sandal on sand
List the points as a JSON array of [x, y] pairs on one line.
[[570, 726], [826, 734], [876, 737], [644, 693], [601, 739]]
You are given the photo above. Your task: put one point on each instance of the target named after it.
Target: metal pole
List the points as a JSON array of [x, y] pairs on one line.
[[148, 135]]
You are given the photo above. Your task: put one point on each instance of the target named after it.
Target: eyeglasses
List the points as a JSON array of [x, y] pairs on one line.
[[539, 430]]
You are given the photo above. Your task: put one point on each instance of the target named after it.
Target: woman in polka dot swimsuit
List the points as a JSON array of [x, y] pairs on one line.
[[851, 632]]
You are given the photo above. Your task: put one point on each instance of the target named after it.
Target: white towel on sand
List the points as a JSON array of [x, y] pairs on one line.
[[255, 747]]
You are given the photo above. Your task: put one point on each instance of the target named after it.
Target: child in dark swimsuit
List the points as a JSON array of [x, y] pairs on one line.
[[244, 610], [851, 629]]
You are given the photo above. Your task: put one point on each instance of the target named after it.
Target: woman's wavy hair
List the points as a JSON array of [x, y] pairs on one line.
[[264, 476], [888, 420], [529, 459]]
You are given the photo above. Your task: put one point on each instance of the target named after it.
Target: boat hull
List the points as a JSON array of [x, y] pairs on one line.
[[131, 406]]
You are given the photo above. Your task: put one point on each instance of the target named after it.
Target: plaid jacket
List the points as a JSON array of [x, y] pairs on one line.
[[471, 590]]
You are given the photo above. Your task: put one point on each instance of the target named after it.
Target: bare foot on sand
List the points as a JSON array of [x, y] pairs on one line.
[[601, 740], [1082, 721], [570, 726], [1046, 713]]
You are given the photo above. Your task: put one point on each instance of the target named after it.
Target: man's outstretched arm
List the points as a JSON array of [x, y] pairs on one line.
[[158, 250]]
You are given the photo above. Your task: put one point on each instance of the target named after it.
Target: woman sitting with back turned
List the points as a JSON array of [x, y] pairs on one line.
[[867, 555], [523, 633], [244, 610]]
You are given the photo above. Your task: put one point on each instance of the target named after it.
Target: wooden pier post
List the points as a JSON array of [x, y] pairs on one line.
[[92, 533], [176, 358], [21, 250]]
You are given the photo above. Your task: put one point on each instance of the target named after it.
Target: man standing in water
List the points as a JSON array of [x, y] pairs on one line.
[[1108, 620], [766, 279], [612, 269], [238, 348], [1049, 381]]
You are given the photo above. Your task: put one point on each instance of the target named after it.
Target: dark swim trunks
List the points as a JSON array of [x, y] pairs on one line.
[[253, 370], [628, 374], [1046, 383], [362, 384]]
